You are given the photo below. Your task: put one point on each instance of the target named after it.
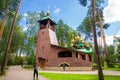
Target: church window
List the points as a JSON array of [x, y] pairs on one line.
[[63, 54], [83, 56]]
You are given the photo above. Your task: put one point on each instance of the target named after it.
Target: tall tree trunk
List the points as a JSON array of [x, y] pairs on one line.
[[9, 41], [100, 72], [3, 21], [103, 36]]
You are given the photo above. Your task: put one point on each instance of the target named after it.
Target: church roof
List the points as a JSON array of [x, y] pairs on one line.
[[46, 18], [87, 51]]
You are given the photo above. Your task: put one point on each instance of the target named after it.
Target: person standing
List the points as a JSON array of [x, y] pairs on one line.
[[64, 65], [35, 71]]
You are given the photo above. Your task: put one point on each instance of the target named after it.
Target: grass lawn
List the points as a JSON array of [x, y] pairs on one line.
[[114, 69], [58, 76]]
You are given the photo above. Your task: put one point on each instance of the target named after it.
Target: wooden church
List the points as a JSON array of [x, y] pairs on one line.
[[51, 56]]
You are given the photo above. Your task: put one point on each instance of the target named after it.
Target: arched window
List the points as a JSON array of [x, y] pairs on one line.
[[64, 64], [63, 54]]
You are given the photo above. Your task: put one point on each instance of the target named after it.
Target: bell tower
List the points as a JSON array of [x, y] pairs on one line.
[[46, 37], [47, 22]]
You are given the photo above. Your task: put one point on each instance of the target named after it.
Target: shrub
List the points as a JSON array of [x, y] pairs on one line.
[[94, 65]]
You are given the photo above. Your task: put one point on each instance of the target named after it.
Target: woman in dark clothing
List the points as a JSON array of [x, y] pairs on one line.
[[35, 72]]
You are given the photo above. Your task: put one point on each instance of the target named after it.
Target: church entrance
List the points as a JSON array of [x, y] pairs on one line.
[[42, 62]]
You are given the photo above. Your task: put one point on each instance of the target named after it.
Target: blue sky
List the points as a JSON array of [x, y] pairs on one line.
[[72, 13]]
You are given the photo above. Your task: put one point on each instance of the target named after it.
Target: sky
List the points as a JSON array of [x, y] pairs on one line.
[[72, 13], [112, 16]]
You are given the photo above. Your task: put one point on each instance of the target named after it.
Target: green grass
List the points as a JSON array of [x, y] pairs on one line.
[[114, 69], [58, 76]]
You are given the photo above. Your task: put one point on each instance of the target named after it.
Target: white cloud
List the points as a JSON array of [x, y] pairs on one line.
[[109, 39], [118, 35], [25, 14], [119, 32], [56, 11], [24, 18], [112, 12], [25, 28]]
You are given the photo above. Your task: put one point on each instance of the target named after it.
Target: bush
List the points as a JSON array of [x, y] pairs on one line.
[[94, 65], [15, 60], [31, 59], [112, 60], [102, 60], [105, 65], [1, 58]]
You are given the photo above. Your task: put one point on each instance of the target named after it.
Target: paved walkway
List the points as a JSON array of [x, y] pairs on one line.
[[18, 73]]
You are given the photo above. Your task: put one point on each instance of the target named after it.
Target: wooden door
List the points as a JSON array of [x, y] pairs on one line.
[[42, 63]]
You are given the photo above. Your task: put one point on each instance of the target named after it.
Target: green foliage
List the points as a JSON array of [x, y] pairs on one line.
[[42, 14], [64, 33], [105, 65], [31, 32], [94, 65], [13, 4], [102, 60], [17, 39], [116, 68], [111, 56], [112, 60], [83, 2], [15, 60], [31, 35], [1, 7], [110, 49], [118, 55], [57, 76], [31, 59], [86, 26], [1, 58], [16, 35], [94, 57]]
